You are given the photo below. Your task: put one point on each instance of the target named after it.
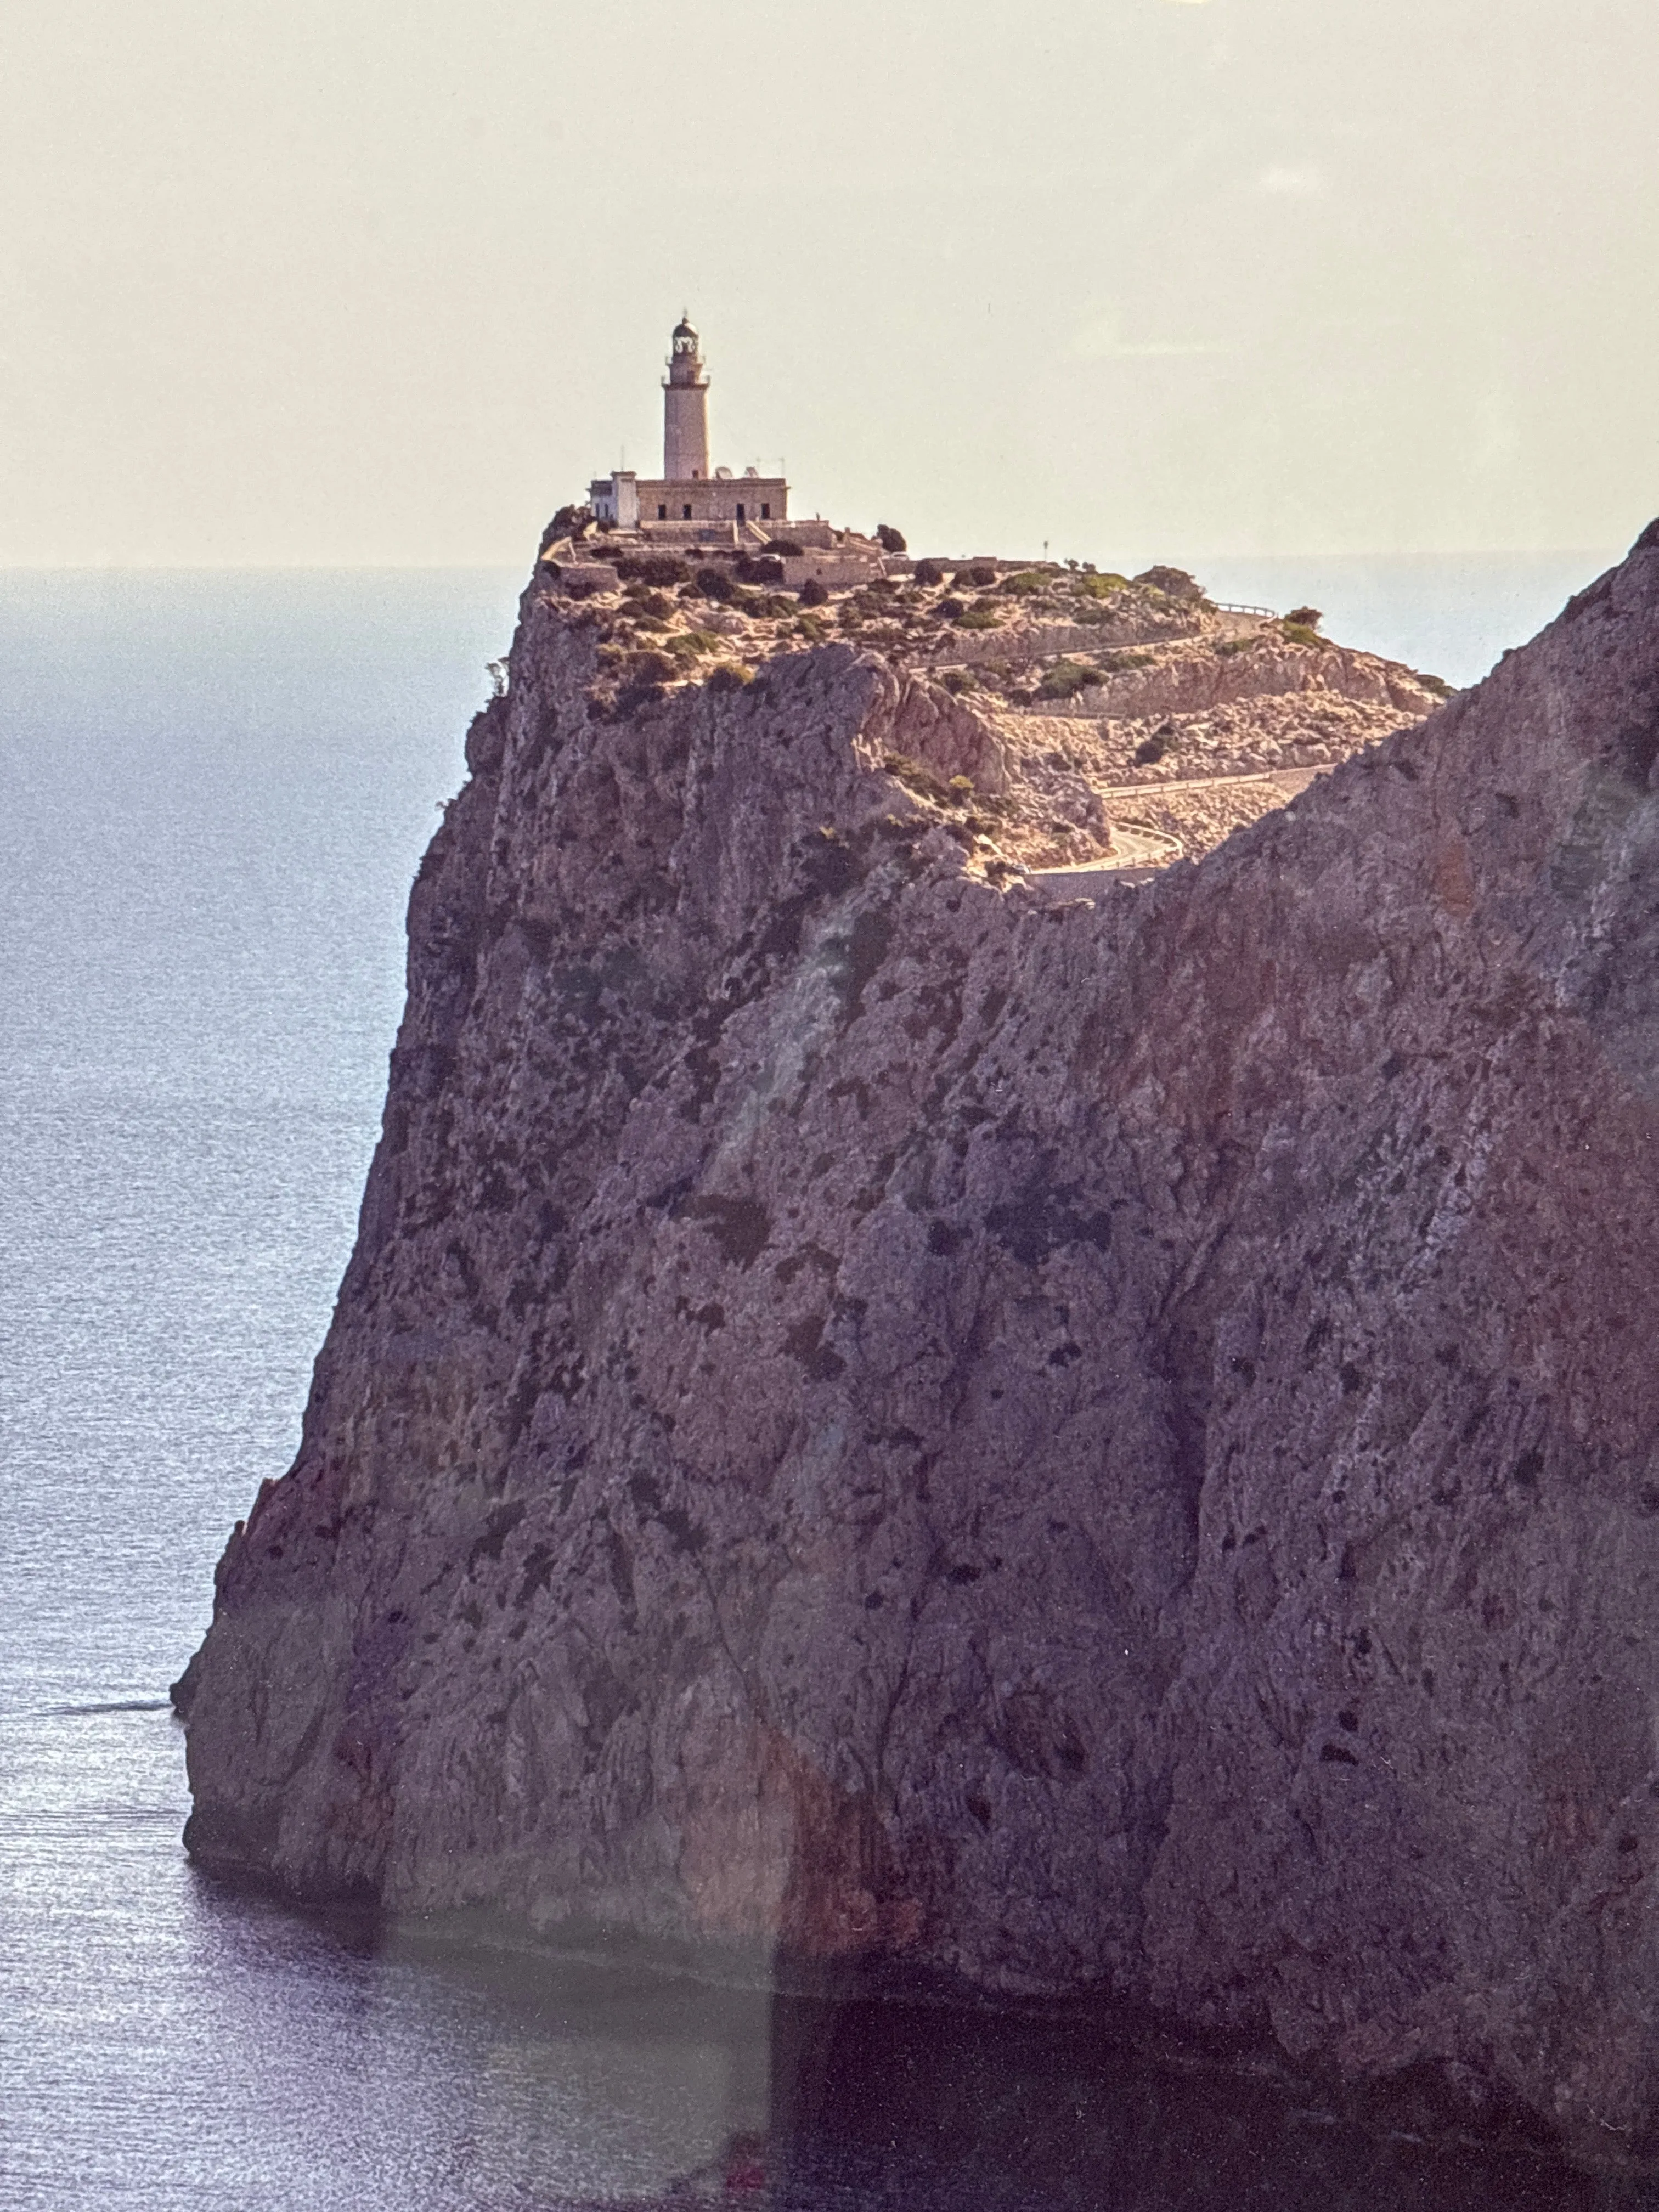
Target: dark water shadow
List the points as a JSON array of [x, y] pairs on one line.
[[966, 2109], [118, 1705], [845, 2100]]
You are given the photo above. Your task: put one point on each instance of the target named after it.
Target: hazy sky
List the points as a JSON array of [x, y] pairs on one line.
[[386, 281]]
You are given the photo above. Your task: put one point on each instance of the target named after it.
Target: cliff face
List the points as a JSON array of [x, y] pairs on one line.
[[1100, 1444]]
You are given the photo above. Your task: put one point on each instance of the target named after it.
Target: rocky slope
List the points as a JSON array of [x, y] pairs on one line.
[[1079, 704], [1110, 1445]]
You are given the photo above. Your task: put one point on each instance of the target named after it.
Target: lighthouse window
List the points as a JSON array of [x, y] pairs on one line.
[[662, 514], [765, 510], [740, 513], [685, 513]]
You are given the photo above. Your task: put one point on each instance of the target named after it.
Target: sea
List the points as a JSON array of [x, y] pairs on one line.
[[215, 788]]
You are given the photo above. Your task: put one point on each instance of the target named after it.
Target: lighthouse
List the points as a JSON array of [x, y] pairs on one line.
[[690, 503], [684, 410]]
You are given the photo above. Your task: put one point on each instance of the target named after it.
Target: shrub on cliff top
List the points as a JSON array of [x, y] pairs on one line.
[[1066, 679], [716, 584], [918, 778], [1174, 583], [649, 667], [889, 539], [979, 617], [1297, 633], [1307, 617], [659, 568], [813, 593], [1026, 581], [1103, 586], [569, 522], [976, 572], [929, 572], [655, 604]]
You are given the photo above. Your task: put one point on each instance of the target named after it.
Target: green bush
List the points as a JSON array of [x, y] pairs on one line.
[[1174, 583], [813, 593], [569, 522], [917, 777], [981, 573], [1297, 633], [1154, 748], [659, 568], [1309, 617], [650, 667], [929, 572], [716, 584], [959, 680], [1066, 679], [730, 676], [1102, 587], [889, 539], [979, 615], [1026, 579], [653, 603]]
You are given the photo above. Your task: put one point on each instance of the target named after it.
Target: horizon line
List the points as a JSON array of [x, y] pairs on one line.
[[477, 567]]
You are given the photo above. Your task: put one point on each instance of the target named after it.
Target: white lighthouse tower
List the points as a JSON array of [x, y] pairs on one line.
[[690, 503], [685, 410]]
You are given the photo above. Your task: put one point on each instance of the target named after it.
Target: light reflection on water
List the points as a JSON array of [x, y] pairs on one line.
[[167, 2043], [215, 792]]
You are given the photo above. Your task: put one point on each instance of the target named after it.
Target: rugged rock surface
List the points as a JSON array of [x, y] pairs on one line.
[[1072, 700], [1106, 1446]]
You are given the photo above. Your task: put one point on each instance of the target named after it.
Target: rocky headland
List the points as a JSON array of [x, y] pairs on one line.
[[1069, 1445]]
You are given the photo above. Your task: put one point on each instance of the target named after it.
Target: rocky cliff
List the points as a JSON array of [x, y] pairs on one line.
[[1108, 1445]]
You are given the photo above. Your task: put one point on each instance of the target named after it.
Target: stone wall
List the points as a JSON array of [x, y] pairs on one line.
[[714, 499]]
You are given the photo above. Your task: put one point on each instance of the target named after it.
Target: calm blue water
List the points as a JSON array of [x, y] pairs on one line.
[[214, 792]]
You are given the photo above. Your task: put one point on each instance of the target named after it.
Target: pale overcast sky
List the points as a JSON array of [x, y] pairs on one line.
[[385, 281]]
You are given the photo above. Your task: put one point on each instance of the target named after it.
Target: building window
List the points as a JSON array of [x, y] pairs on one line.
[[685, 512], [765, 510], [740, 513], [662, 514]]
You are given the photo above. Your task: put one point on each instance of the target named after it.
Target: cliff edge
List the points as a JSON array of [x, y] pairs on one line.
[[1107, 1443]]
